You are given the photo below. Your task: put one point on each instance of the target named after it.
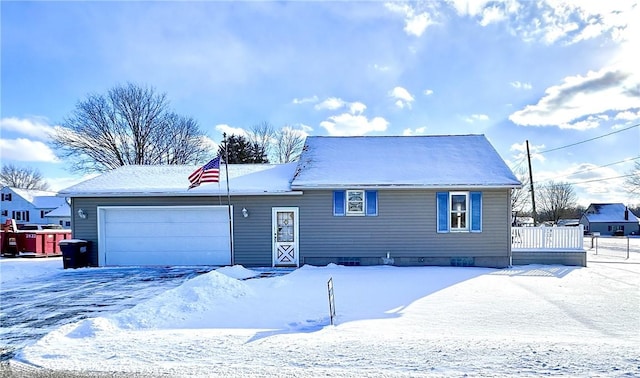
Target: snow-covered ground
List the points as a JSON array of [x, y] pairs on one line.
[[391, 321]]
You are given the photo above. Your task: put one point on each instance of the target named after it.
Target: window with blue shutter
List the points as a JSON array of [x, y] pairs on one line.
[[355, 202], [338, 203], [443, 211], [454, 214], [476, 211]]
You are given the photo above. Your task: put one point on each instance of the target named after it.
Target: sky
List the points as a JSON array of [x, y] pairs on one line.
[[561, 75], [531, 320]]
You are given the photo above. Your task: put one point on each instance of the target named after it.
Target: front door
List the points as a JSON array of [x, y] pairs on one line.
[[285, 236]]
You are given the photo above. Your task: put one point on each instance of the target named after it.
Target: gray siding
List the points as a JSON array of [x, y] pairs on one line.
[[405, 228]]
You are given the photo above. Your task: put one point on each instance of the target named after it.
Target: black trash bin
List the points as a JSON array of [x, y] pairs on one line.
[[75, 253]]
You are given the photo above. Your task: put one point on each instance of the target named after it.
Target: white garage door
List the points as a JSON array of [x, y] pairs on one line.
[[164, 235]]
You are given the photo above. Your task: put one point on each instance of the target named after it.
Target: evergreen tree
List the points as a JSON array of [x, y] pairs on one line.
[[242, 151]]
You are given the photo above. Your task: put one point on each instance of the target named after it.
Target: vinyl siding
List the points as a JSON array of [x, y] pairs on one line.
[[405, 228]]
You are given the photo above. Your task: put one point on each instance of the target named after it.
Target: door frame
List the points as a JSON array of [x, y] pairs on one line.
[[274, 233]]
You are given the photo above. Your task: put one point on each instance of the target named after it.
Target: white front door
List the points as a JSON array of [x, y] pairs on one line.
[[285, 236]]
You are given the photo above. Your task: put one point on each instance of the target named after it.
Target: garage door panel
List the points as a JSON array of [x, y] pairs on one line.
[[169, 244], [174, 230], [164, 235], [142, 259]]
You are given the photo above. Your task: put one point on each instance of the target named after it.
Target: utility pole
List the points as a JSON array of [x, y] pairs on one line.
[[533, 197]]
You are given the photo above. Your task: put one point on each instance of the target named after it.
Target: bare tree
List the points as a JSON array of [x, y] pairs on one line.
[[633, 180], [556, 200], [22, 178], [288, 145], [128, 125], [521, 198], [261, 138]]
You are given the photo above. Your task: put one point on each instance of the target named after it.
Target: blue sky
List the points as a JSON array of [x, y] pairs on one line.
[[549, 72]]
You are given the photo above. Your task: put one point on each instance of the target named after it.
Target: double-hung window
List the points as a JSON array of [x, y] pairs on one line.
[[355, 203], [459, 211]]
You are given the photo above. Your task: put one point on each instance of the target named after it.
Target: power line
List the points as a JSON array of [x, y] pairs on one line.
[[594, 168], [588, 140], [603, 179]]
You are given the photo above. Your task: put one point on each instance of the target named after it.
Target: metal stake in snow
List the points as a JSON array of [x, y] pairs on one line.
[[332, 302]]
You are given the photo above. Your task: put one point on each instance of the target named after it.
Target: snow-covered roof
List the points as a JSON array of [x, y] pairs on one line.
[[60, 212], [608, 212], [40, 199], [398, 161], [133, 180]]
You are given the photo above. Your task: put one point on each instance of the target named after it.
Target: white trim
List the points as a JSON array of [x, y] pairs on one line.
[[173, 194], [466, 212], [346, 203]]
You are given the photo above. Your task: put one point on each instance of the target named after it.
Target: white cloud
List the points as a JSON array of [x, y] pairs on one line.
[[476, 118], [521, 85], [416, 22], [380, 68], [223, 128], [357, 107], [22, 149], [520, 151], [335, 103], [469, 7], [492, 15], [34, 128], [305, 100], [351, 125], [418, 131], [427, 92], [628, 115], [402, 96], [579, 100], [331, 103]]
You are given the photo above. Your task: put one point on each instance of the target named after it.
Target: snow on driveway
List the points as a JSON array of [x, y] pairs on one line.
[[392, 321]]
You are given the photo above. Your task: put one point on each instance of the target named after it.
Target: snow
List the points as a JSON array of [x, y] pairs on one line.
[[63, 210], [40, 199], [15, 270], [416, 161], [173, 180], [391, 321], [608, 212]]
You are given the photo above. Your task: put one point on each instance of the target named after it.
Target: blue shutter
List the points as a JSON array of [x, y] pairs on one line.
[[371, 202], [443, 211], [338, 203], [476, 211]]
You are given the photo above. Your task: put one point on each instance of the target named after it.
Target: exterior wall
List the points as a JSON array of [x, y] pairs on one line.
[[603, 228], [574, 258], [405, 228]]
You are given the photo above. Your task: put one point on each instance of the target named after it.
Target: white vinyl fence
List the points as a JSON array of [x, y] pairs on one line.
[[547, 239]]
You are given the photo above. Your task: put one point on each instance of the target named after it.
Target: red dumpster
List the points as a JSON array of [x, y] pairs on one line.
[[41, 243]]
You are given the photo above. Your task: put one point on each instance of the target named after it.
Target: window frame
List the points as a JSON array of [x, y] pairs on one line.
[[466, 212], [348, 201]]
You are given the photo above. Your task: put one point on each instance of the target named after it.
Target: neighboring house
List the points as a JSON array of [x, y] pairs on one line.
[[424, 200], [610, 219], [568, 222], [31, 206], [60, 215]]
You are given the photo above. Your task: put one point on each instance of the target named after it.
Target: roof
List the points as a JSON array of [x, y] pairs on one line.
[[61, 211], [136, 180], [402, 161], [608, 212], [40, 199]]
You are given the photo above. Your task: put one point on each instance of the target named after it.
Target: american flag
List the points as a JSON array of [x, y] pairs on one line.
[[209, 172]]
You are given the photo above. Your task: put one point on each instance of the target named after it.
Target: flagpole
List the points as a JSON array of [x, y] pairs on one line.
[[226, 168]]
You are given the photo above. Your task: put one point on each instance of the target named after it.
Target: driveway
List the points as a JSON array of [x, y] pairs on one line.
[[31, 308]]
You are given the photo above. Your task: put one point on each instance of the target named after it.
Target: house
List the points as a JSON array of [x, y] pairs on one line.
[[32, 206], [610, 219], [423, 200]]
